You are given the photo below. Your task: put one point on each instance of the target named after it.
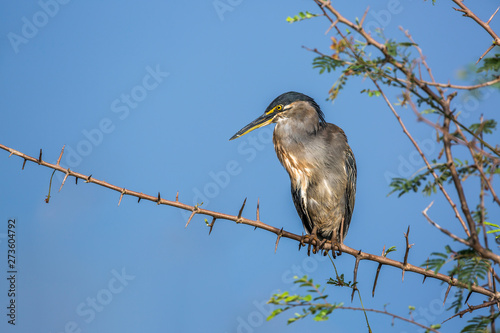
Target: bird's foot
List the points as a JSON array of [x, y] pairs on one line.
[[313, 242], [336, 246]]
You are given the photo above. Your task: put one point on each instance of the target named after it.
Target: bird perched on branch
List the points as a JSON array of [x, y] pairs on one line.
[[319, 161]]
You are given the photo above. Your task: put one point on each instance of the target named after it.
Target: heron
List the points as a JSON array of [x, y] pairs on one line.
[[319, 161]]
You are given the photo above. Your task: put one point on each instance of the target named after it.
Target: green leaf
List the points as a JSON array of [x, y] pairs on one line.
[[389, 250], [407, 44], [300, 17], [274, 313], [492, 224], [328, 64], [392, 48], [307, 298], [487, 127], [429, 111]]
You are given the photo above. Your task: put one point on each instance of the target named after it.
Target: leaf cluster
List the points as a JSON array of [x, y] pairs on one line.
[[479, 324], [466, 266], [406, 185], [285, 301]]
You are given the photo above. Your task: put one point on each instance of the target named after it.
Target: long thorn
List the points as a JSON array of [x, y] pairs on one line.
[[190, 217], [364, 16], [258, 212], [376, 278], [491, 18], [241, 209], [121, 196], [60, 155], [64, 180], [468, 295], [211, 226], [485, 53], [278, 240], [447, 292]]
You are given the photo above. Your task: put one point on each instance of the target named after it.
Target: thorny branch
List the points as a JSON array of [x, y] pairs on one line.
[[394, 316], [471, 308], [485, 25], [359, 255]]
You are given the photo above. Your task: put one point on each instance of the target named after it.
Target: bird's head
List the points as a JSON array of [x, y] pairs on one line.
[[288, 106]]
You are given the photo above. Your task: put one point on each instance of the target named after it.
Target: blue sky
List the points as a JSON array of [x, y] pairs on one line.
[[145, 95]]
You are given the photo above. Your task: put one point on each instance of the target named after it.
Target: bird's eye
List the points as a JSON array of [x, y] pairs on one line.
[[279, 107]]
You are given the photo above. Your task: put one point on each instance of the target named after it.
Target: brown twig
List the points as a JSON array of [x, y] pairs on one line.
[[394, 316], [472, 308], [443, 230], [407, 251], [485, 25], [471, 87], [458, 184]]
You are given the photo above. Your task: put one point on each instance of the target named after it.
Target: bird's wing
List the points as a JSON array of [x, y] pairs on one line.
[[300, 204], [350, 191]]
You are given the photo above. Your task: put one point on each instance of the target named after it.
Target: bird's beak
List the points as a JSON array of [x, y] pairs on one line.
[[263, 120]]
